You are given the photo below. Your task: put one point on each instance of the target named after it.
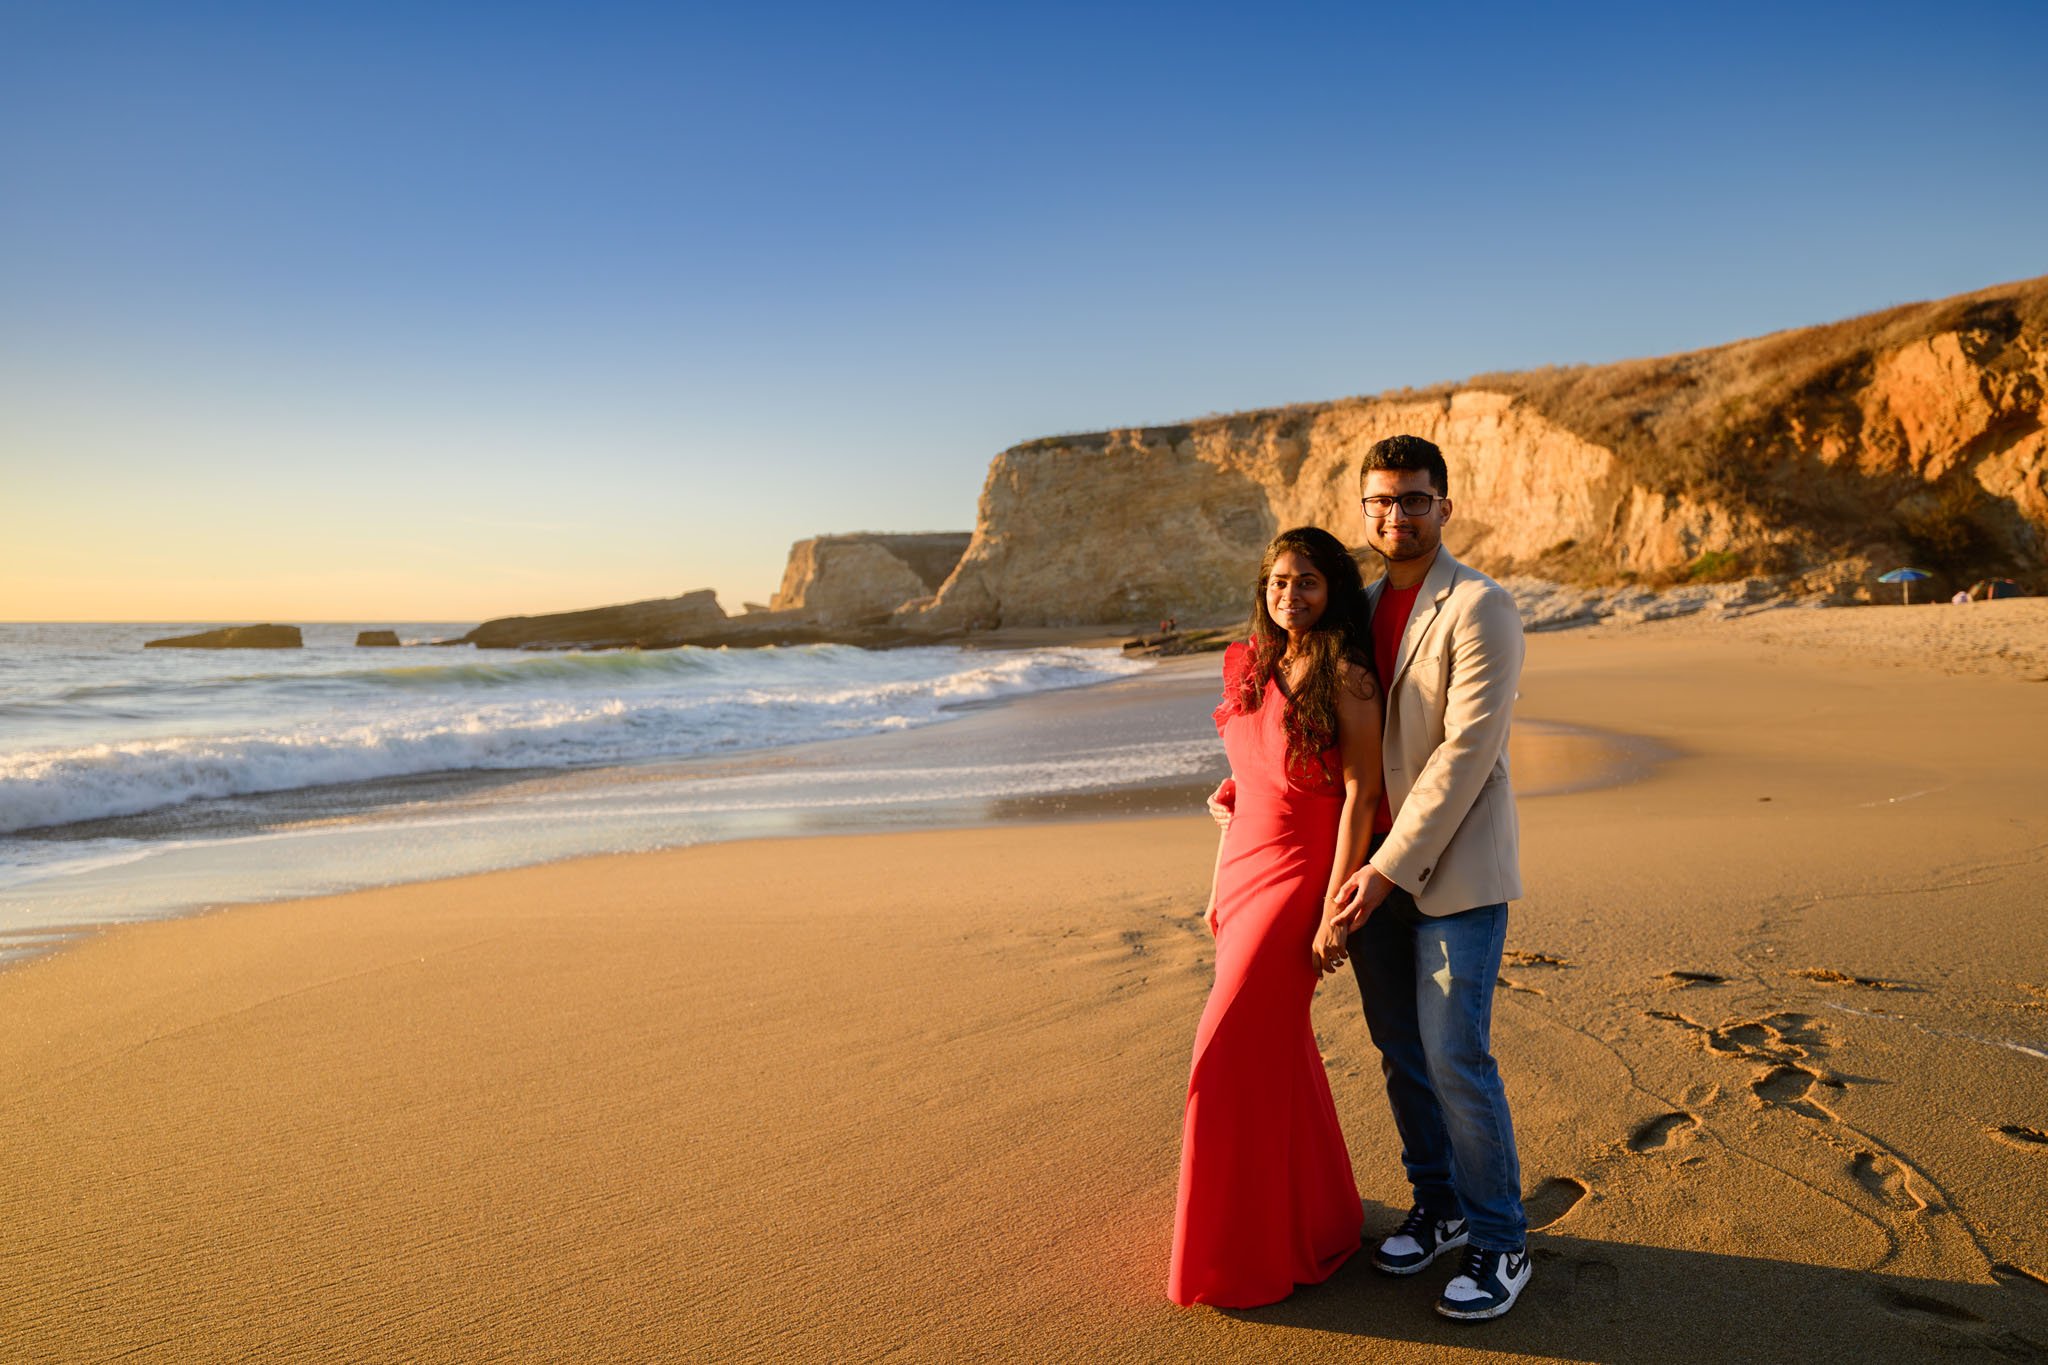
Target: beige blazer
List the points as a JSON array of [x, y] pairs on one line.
[[1455, 844]]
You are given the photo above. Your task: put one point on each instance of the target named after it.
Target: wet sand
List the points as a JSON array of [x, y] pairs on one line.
[[1775, 1025]]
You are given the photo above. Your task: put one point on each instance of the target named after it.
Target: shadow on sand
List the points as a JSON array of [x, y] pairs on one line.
[[1612, 1302]]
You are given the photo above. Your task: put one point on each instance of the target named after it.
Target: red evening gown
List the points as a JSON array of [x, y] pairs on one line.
[[1267, 1199]]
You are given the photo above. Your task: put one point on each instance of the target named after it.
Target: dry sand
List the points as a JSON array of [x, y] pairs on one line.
[[1774, 1027]]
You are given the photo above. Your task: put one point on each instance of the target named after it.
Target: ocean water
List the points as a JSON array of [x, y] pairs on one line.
[[136, 783], [93, 726]]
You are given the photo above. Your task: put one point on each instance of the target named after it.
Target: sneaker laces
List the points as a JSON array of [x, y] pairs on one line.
[[1474, 1267], [1412, 1226]]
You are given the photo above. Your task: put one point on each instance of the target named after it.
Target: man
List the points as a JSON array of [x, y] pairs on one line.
[[1428, 912]]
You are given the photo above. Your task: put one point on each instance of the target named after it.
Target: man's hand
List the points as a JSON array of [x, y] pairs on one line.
[[1222, 802], [1360, 895]]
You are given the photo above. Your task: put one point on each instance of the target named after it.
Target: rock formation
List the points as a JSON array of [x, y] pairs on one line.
[[235, 637], [382, 639], [859, 579], [1800, 463], [1812, 457], [666, 620]]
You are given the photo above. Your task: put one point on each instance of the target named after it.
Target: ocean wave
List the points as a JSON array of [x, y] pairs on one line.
[[731, 703], [565, 673], [505, 668]]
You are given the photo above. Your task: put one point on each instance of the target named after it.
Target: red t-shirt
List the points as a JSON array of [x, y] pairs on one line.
[[1389, 623]]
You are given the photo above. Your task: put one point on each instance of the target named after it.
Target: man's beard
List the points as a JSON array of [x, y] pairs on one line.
[[1414, 547]]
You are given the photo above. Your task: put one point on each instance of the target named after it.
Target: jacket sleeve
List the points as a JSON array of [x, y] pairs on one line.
[[1486, 664]]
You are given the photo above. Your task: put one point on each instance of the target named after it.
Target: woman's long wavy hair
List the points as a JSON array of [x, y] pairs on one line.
[[1343, 631]]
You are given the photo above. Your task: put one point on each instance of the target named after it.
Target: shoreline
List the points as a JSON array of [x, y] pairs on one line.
[[327, 841], [2006, 638]]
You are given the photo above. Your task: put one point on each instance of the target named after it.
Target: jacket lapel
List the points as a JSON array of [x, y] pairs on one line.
[[1436, 586]]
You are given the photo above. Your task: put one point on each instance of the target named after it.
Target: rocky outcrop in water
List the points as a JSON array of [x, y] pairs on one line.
[[377, 639], [658, 621], [235, 637], [1804, 461]]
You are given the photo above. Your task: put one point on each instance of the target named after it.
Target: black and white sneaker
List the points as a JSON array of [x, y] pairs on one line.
[[1419, 1240], [1487, 1285]]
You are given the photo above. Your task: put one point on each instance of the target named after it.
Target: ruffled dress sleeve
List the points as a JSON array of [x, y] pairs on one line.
[[1237, 663]]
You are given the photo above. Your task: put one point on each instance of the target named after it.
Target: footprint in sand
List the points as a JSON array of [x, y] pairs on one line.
[[1920, 1305], [2020, 1136], [1553, 1199], [2017, 1276], [1886, 1181], [1509, 984], [1796, 1030], [1783, 1084], [1595, 1283], [1680, 980], [1952, 1327], [1781, 1037], [1527, 959], [1742, 1038], [1666, 1130], [1588, 1285], [1828, 976]]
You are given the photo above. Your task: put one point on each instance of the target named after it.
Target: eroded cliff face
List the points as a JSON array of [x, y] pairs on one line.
[[1813, 458], [1134, 525], [1962, 414]]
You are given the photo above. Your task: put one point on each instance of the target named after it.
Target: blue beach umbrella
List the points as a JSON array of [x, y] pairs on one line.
[[1907, 578]]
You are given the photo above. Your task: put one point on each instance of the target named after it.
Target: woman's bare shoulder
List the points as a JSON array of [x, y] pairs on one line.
[[1357, 680]]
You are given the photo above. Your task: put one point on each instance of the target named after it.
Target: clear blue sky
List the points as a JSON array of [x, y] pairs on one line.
[[411, 311]]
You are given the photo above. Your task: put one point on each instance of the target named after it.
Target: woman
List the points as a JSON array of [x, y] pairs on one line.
[[1266, 1195]]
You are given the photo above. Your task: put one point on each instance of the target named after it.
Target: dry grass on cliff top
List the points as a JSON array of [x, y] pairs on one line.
[[1709, 417], [1699, 417]]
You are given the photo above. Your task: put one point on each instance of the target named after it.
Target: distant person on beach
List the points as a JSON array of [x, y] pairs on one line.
[[1427, 913], [1267, 1200]]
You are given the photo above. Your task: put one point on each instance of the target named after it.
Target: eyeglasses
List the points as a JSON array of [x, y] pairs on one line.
[[1412, 504]]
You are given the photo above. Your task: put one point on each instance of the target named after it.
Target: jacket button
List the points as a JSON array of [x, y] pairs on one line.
[[1425, 874]]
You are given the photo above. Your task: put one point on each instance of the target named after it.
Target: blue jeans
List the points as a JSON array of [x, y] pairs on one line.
[[1428, 984]]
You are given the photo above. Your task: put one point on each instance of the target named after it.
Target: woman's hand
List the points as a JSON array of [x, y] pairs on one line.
[[1331, 946], [1209, 915], [1223, 802]]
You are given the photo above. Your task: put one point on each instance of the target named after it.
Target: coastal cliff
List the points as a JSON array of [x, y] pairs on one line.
[[1808, 460], [1800, 464], [861, 578]]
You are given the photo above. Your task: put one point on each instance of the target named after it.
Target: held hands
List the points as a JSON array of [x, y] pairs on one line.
[[1361, 894]]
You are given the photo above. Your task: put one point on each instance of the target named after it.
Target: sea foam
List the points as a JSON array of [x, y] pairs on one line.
[[132, 746]]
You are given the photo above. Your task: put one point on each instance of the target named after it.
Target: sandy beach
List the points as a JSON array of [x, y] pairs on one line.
[[1774, 1022]]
